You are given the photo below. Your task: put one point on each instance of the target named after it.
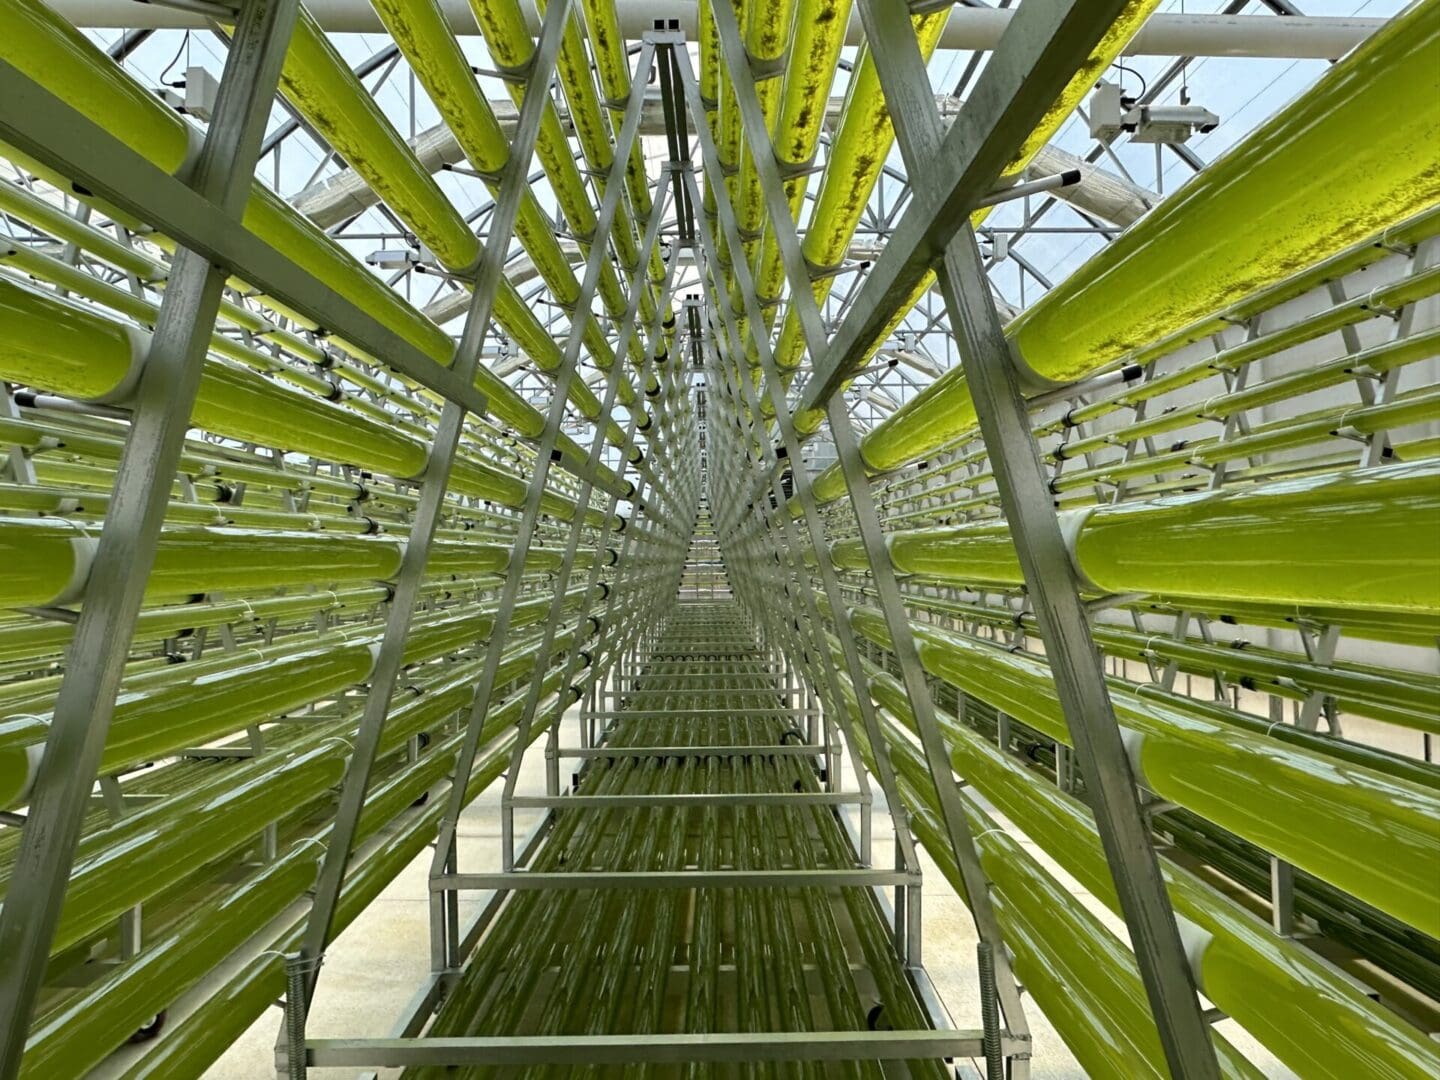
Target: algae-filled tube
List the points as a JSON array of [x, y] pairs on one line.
[[511, 44], [867, 99], [1407, 698], [61, 346], [1252, 217], [51, 559], [44, 47], [164, 710], [1314, 1018], [1361, 539], [1056, 944], [144, 854], [324, 89], [81, 1033], [1379, 843], [434, 54]]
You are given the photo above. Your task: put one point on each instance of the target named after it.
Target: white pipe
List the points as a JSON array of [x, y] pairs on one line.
[[1165, 34]]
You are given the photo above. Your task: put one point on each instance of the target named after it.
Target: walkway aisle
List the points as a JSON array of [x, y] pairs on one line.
[[671, 957]]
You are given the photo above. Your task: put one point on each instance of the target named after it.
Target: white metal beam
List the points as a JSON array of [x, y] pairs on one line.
[[1166, 34]]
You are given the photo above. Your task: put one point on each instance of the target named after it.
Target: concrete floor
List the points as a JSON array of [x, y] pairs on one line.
[[372, 970]]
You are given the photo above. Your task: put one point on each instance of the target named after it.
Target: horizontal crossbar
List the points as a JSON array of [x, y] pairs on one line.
[[789, 749], [652, 1049], [682, 710], [673, 879], [736, 798], [767, 691]]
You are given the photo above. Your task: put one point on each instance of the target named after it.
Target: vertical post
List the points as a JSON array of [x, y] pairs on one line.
[[1050, 577], [390, 660], [580, 320], [556, 16], [816, 649], [638, 284], [163, 398]]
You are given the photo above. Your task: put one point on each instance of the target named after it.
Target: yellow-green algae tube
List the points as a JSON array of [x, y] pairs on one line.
[[1351, 157], [60, 346], [1361, 539], [81, 1033], [326, 91], [202, 1037], [857, 154], [322, 87], [22, 203], [815, 44], [1381, 831], [164, 710], [118, 867], [1364, 539], [1124, 27], [55, 556], [767, 32], [1316, 1020], [57, 56], [1056, 944], [1106, 50]]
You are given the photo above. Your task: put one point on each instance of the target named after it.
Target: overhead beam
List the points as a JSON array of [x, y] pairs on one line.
[[1166, 34]]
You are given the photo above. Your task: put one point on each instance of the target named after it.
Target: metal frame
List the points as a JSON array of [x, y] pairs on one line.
[[638, 284], [389, 662], [937, 758], [996, 382], [160, 407], [444, 952], [799, 646], [791, 446]]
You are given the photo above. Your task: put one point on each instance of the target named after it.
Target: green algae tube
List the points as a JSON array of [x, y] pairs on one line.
[[46, 561], [61, 58], [81, 1034], [1363, 539], [322, 87], [1352, 157], [1381, 831], [60, 346]]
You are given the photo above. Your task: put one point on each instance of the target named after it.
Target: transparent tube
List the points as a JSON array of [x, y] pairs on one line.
[[1258, 214], [1381, 833]]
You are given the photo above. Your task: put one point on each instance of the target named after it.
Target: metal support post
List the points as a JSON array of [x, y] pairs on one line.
[[801, 485], [902, 642], [391, 658], [160, 416], [572, 544], [445, 846], [814, 651], [995, 386]]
